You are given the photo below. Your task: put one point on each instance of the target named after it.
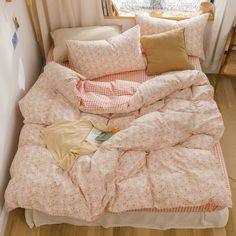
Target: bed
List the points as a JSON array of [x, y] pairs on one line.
[[137, 178]]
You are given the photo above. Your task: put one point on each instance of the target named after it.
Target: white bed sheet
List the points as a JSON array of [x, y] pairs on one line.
[[150, 220]]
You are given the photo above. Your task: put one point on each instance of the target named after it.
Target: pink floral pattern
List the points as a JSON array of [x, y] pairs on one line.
[[103, 57], [194, 30], [157, 161]]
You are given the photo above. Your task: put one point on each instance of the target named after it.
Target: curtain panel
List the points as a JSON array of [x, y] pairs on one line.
[[48, 15], [225, 13]]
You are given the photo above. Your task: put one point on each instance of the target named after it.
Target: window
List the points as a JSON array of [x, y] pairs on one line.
[[134, 6]]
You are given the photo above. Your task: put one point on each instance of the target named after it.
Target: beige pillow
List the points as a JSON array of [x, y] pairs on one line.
[[94, 59], [59, 37], [194, 30], [165, 52]]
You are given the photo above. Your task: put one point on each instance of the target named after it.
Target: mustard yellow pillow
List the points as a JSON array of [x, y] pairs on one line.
[[165, 52]]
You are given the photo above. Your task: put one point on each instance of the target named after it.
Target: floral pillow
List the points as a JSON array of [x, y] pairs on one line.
[[194, 30], [94, 59]]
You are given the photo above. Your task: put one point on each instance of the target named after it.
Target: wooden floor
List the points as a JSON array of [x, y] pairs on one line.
[[226, 98]]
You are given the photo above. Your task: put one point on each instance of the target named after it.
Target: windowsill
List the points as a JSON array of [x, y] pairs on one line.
[[163, 15]]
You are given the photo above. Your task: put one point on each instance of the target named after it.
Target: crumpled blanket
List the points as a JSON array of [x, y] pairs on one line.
[[160, 159]]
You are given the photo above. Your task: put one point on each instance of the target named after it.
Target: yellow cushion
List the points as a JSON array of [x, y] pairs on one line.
[[165, 52]]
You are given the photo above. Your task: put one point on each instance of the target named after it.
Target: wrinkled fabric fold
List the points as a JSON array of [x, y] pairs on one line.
[[161, 158]]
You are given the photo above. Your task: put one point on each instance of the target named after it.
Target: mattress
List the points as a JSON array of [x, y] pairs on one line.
[[142, 219], [197, 212]]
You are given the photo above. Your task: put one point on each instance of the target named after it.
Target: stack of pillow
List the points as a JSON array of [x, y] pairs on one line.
[[166, 45]]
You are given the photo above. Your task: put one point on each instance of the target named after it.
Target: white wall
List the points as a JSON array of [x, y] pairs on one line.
[[125, 23], [19, 69]]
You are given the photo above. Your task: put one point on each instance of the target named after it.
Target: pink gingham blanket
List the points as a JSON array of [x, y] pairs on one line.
[[161, 158], [100, 97]]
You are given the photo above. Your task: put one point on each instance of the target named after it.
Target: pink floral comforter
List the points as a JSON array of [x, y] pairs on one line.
[[161, 158]]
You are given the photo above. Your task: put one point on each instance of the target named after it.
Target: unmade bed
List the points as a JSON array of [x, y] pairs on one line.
[[125, 134], [204, 216]]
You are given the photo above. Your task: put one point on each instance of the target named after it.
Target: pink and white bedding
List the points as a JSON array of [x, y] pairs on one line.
[[131, 76], [194, 29], [97, 58], [165, 158]]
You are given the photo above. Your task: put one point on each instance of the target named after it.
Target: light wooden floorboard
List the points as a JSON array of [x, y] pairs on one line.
[[226, 99]]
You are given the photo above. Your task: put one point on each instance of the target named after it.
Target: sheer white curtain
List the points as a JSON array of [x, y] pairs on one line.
[[175, 5], [49, 15], [224, 19]]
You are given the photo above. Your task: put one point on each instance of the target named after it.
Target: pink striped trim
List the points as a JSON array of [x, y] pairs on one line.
[[209, 208], [217, 150]]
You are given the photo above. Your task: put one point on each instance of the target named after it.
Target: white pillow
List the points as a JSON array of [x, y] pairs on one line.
[[194, 30], [94, 59], [59, 37]]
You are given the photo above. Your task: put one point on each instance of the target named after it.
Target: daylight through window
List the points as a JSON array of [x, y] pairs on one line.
[[134, 6]]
